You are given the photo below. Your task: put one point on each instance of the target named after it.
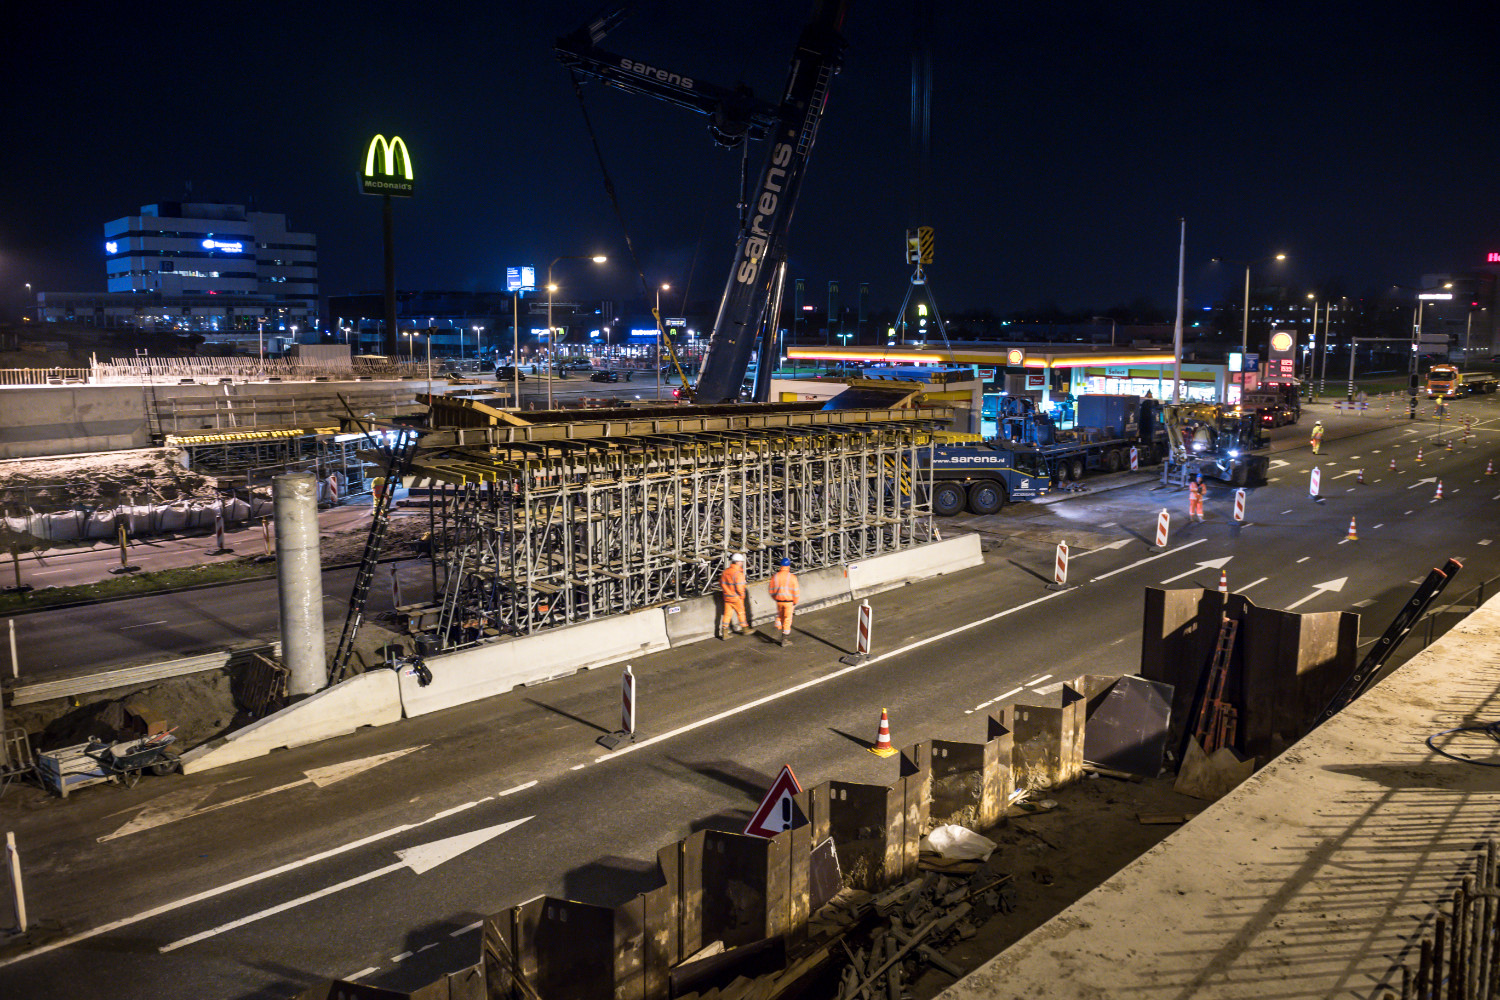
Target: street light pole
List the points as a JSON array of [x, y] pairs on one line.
[[1245, 332], [663, 288], [552, 330]]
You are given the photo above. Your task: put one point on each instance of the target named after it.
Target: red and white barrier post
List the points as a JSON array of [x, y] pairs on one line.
[[627, 713], [1135, 459], [1060, 568], [1163, 522], [1239, 506], [863, 627], [1314, 482]]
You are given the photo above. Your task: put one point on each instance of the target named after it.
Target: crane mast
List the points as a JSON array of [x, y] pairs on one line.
[[790, 128]]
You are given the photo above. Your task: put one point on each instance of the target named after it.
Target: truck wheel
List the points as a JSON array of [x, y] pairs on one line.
[[1112, 461], [947, 499], [1075, 469], [986, 497]]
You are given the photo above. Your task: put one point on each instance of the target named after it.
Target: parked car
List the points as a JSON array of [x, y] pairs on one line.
[[509, 372], [604, 375]]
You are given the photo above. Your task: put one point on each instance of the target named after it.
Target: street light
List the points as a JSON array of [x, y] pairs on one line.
[[1245, 332], [478, 347], [663, 288], [552, 330]]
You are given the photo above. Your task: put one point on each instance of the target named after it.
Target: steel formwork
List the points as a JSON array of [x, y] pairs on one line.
[[539, 533]]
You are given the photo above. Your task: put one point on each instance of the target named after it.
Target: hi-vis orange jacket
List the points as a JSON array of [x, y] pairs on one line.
[[784, 587], [732, 582]]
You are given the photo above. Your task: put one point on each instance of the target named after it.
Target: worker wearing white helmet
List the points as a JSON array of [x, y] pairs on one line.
[[732, 587]]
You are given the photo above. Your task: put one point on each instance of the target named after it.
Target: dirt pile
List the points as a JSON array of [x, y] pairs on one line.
[[106, 479]]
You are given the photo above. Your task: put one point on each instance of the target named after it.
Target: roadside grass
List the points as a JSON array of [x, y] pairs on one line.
[[135, 584]]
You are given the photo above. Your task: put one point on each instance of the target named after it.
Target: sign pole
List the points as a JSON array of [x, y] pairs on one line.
[[389, 232]]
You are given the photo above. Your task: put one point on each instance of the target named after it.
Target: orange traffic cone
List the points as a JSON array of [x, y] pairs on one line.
[[1449, 446], [1489, 467], [1359, 476], [1353, 534], [1439, 494], [882, 747], [1393, 465], [1223, 582], [1419, 453]]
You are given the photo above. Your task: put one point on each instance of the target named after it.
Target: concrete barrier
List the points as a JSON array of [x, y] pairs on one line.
[[472, 674], [691, 620], [371, 699], [871, 576], [820, 588]]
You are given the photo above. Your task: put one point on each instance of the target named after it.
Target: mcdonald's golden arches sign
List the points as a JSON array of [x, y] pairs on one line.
[[387, 168]]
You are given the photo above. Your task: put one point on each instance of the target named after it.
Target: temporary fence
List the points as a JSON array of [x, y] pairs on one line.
[[44, 376], [137, 370]]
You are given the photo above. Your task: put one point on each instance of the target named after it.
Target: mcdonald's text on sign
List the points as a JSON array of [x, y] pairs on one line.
[[387, 168]]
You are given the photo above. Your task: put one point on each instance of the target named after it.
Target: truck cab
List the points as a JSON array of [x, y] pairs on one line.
[[982, 476]]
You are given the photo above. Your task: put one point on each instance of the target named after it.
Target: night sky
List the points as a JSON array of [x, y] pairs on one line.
[[1067, 140]]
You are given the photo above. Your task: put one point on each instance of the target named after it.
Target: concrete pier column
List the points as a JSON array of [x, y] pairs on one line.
[[299, 582]]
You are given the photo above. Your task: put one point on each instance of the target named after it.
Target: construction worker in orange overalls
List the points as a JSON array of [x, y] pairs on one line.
[[1196, 489], [785, 592], [1317, 438], [732, 587]]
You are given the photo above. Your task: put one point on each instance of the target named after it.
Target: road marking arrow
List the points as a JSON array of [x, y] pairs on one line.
[[180, 805], [1100, 548], [1210, 564], [420, 859], [1328, 587], [1419, 482]]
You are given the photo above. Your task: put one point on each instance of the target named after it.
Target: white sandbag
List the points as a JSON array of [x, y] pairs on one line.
[[958, 842]]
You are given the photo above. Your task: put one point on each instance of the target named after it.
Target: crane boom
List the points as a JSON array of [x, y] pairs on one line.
[[735, 112], [761, 248]]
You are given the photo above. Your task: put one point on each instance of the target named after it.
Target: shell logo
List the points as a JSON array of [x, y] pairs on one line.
[[1281, 341], [1015, 356]]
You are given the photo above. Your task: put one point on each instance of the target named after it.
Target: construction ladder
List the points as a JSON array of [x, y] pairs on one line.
[[380, 517], [1216, 722]]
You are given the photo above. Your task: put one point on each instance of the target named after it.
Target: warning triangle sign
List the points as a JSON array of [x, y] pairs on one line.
[[777, 810]]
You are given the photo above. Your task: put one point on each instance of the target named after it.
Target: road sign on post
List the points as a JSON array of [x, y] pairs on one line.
[[777, 812]]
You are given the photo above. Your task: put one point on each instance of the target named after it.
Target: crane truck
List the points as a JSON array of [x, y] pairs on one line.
[[747, 312]]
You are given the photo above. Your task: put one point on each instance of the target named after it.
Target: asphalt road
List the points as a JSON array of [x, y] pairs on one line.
[[174, 900]]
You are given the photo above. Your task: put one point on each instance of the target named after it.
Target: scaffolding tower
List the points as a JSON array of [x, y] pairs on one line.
[[546, 526]]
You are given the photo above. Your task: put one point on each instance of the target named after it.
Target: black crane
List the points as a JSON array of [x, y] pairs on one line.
[[789, 127]]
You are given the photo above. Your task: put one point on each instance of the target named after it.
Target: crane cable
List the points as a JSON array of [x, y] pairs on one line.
[[635, 261]]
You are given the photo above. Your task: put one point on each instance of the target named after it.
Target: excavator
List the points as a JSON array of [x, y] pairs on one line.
[[1216, 442], [747, 312]]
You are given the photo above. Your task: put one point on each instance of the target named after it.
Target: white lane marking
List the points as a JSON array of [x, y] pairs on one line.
[[1252, 583], [1304, 559], [1353, 458], [1349, 490], [402, 957], [173, 807], [1112, 545], [361, 973], [816, 681], [48, 572], [421, 859], [1054, 686], [1277, 463], [518, 788], [999, 697], [1142, 562], [126, 628], [1286, 512], [1108, 524], [1375, 451], [1363, 604], [1326, 587], [1410, 512], [466, 928], [241, 883], [1484, 541], [577, 767], [1044, 677], [1274, 479], [1219, 563], [1378, 526]]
